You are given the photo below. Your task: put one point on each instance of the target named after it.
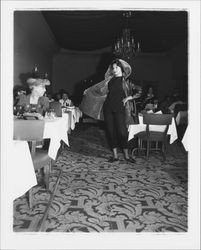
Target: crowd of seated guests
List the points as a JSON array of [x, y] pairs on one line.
[[171, 104], [149, 97], [35, 99], [148, 101], [61, 100], [65, 100]]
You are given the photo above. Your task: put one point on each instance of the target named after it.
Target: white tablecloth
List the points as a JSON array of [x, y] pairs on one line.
[[56, 130], [74, 116], [182, 117], [136, 128], [185, 139], [23, 173], [23, 169]]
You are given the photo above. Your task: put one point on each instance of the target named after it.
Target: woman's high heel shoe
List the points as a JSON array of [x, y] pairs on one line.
[[130, 160], [112, 159]]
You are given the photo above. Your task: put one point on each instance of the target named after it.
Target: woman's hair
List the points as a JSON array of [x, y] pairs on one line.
[[118, 63], [65, 93], [31, 87]]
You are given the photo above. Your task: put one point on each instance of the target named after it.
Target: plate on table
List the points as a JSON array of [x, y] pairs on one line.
[[28, 116], [70, 107]]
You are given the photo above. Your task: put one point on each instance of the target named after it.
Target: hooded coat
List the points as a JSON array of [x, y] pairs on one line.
[[95, 96]]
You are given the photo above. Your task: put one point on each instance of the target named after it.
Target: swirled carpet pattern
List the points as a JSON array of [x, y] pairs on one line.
[[93, 195]]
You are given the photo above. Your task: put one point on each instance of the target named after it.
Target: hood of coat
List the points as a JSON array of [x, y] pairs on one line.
[[126, 67]]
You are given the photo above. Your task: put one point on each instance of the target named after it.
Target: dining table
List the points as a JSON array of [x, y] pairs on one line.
[[56, 130], [134, 129], [25, 178], [74, 114]]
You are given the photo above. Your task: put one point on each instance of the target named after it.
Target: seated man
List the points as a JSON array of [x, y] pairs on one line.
[[148, 98], [172, 106], [56, 107], [164, 104], [65, 101]]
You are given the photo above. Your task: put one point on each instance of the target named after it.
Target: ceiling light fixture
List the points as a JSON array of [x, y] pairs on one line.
[[126, 47]]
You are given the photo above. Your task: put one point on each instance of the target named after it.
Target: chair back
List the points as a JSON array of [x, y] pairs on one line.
[[180, 107], [57, 108], [157, 119], [28, 130]]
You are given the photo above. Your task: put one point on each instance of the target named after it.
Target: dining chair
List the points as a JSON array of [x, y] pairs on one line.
[[180, 107], [56, 106], [150, 136], [32, 132]]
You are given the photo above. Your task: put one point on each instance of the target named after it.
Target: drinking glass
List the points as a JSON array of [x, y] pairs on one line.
[[19, 110], [52, 113], [33, 108]]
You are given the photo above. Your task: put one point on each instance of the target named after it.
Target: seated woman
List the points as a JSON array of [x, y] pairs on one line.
[[35, 101], [176, 100], [164, 104], [17, 93], [149, 97], [65, 101], [138, 101], [57, 97], [137, 91], [49, 96]]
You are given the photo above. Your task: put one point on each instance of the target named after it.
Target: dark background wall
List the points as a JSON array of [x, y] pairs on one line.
[[71, 68], [74, 71], [70, 71], [179, 62], [153, 70], [34, 44]]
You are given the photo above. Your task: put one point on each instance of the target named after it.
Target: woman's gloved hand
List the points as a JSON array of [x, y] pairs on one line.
[[129, 98]]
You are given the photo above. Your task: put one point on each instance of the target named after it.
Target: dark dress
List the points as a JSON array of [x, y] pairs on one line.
[[115, 96], [114, 114], [41, 107]]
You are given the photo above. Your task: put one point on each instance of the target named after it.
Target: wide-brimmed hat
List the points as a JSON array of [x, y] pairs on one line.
[[37, 82], [126, 68]]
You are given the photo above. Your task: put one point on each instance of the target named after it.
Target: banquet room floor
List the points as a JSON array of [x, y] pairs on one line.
[[89, 194]]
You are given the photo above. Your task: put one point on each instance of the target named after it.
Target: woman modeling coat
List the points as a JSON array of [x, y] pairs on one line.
[[112, 100]]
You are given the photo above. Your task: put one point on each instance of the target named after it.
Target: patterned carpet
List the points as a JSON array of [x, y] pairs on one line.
[[89, 194]]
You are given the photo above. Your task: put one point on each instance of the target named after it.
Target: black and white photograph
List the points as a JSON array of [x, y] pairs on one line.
[[100, 125]]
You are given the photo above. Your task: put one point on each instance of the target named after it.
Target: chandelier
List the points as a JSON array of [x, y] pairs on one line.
[[125, 46]]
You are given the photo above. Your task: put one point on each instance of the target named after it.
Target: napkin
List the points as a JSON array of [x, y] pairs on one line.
[[33, 115], [158, 112], [70, 107], [150, 112]]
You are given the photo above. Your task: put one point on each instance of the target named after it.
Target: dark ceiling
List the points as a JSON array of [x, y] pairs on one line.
[[157, 31]]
